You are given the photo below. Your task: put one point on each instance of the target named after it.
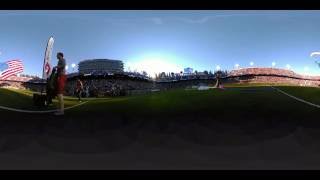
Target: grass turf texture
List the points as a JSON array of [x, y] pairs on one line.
[[22, 99], [234, 102], [238, 105], [311, 94], [237, 115]]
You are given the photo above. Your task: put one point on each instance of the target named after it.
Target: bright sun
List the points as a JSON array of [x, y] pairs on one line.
[[154, 65]]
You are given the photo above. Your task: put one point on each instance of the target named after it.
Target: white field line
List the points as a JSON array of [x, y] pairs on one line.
[[298, 99], [39, 112], [49, 111]]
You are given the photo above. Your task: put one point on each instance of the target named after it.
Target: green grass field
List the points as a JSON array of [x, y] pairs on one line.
[[231, 103], [176, 128], [237, 111]]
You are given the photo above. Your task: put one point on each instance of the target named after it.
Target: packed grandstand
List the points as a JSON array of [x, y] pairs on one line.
[[126, 83]]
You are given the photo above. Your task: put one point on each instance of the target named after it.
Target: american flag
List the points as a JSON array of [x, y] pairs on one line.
[[10, 68]]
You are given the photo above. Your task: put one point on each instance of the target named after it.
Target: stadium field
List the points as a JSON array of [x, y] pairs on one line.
[[249, 101], [251, 127]]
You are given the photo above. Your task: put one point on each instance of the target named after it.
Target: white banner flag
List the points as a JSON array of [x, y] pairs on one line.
[[47, 68]]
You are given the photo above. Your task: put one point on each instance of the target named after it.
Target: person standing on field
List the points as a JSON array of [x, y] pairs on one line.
[[79, 89], [61, 81]]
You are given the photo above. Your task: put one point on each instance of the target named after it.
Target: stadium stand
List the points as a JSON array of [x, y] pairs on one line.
[[129, 83], [273, 75], [110, 84]]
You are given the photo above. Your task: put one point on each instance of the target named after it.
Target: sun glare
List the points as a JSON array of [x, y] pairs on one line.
[[154, 65]]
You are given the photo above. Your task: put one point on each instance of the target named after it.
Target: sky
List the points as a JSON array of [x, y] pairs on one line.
[[156, 41]]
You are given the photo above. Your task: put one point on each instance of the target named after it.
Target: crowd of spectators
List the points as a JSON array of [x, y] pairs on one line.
[[205, 75], [271, 72], [108, 85], [11, 84], [104, 84], [18, 78], [280, 80]]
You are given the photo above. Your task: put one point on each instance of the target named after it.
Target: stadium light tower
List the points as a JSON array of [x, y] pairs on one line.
[[73, 65], [288, 66], [237, 66], [218, 67], [316, 56], [251, 63], [273, 64]]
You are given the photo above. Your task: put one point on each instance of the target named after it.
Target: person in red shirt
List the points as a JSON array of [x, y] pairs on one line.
[[61, 80]]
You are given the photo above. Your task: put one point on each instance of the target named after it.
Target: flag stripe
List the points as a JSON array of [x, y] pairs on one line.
[[15, 64], [11, 69], [14, 67], [11, 73], [15, 61], [12, 61]]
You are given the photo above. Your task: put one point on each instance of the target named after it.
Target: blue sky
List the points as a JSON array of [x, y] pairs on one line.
[[168, 40]]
